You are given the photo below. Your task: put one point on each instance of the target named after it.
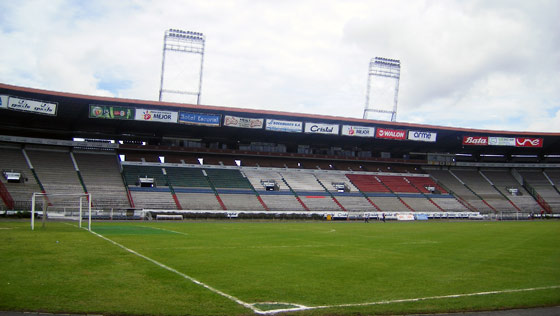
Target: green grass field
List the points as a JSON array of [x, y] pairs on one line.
[[333, 268]]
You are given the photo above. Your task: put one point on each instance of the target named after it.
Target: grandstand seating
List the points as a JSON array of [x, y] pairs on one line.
[[398, 184], [101, 175], [390, 204], [502, 180], [257, 175], [538, 180], [301, 181], [281, 202], [198, 201], [242, 202], [355, 203], [228, 178], [180, 177], [451, 183], [328, 178], [149, 198], [133, 172], [12, 159], [57, 173], [367, 183]]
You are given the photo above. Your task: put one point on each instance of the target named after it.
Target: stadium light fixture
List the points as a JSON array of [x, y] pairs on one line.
[[184, 42]]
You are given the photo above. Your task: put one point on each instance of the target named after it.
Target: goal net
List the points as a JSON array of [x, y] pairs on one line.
[[71, 206]]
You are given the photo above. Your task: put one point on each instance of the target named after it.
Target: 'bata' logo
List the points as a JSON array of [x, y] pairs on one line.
[[475, 140], [529, 142]]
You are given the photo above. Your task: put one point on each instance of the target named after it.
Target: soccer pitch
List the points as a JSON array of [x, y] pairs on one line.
[[308, 268]]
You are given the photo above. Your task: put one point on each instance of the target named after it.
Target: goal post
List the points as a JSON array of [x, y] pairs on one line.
[[63, 204]]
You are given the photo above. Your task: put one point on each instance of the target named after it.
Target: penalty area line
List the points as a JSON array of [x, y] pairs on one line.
[[168, 268]]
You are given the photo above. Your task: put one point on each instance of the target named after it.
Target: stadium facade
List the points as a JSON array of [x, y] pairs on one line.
[[134, 154]]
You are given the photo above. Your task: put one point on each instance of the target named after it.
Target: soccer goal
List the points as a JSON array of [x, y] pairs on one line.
[[69, 206]]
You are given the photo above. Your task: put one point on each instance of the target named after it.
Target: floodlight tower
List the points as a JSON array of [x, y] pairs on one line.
[[383, 68], [182, 42]]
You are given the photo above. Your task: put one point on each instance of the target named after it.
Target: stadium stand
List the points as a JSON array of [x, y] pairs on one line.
[[453, 184], [101, 175], [12, 160], [56, 172], [510, 188], [537, 180]]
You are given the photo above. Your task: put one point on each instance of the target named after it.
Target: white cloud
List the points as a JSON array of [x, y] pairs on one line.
[[481, 64]]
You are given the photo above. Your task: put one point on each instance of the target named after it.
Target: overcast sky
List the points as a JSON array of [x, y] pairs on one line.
[[476, 64]]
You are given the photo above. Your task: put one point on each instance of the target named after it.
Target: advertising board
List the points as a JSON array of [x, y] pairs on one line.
[[360, 131], [3, 101], [528, 142], [475, 140], [284, 126], [321, 128], [38, 107], [422, 136], [111, 112], [390, 133], [243, 122], [200, 119], [501, 141], [156, 116]]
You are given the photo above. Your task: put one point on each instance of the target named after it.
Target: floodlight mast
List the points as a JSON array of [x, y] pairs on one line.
[[183, 42], [383, 67]]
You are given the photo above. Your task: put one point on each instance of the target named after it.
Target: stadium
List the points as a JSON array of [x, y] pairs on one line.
[[263, 212]]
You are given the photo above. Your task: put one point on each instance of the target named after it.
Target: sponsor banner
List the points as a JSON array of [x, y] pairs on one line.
[[3, 101], [360, 131], [284, 126], [156, 116], [390, 133], [200, 119], [243, 122], [320, 128], [38, 107], [111, 112], [475, 140], [528, 142], [422, 136], [405, 217], [501, 141]]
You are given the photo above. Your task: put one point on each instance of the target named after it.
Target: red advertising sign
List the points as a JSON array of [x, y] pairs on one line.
[[475, 140], [528, 142], [390, 133]]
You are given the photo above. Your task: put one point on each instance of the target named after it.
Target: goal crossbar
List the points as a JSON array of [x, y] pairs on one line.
[[45, 198]]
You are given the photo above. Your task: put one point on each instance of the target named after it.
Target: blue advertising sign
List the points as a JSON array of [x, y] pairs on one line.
[[200, 119]]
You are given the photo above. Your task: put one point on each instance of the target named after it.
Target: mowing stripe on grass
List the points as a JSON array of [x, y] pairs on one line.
[[230, 297]]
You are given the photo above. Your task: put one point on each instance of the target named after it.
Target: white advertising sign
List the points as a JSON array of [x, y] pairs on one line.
[[320, 128], [360, 131], [155, 116], [422, 136], [38, 107], [3, 101], [284, 126], [243, 122], [501, 141]]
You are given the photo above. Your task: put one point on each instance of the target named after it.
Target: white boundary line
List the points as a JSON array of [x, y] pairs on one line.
[[303, 307], [233, 298], [167, 230], [407, 300]]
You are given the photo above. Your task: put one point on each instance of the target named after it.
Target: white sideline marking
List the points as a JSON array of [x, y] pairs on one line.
[[407, 300], [167, 230], [233, 298]]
